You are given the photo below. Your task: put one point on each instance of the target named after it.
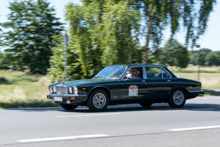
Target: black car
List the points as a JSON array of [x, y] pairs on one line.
[[124, 84]]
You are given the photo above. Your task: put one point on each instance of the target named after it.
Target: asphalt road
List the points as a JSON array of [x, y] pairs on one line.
[[196, 124]]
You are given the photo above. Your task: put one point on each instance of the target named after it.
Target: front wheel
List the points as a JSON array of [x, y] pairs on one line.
[[177, 98], [98, 100], [68, 106]]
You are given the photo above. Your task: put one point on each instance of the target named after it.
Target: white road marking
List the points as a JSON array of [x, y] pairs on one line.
[[63, 138], [203, 109], [91, 115], [195, 128]]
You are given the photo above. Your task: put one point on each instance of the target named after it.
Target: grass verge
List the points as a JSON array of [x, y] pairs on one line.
[[27, 104], [211, 92]]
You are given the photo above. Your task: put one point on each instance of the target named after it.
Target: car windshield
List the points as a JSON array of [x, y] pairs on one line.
[[111, 72]]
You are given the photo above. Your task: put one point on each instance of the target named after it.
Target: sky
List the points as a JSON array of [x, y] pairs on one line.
[[209, 40]]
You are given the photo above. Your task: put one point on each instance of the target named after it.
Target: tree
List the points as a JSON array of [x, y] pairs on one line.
[[29, 35], [120, 32], [174, 54], [213, 58], [57, 62], [105, 32], [198, 57], [158, 14]]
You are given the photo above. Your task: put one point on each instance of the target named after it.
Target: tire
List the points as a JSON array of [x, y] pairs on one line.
[[177, 98], [68, 106], [98, 100], [146, 104]]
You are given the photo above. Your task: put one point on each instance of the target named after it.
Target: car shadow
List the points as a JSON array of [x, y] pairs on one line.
[[154, 107], [128, 107]]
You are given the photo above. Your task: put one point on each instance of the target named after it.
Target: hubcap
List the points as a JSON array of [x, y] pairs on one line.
[[178, 97], [99, 100]]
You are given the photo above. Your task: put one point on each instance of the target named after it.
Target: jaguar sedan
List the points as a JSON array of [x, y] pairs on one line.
[[126, 84]]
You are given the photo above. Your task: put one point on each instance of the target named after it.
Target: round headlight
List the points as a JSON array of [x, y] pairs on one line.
[[54, 89], [51, 89], [75, 90], [70, 90]]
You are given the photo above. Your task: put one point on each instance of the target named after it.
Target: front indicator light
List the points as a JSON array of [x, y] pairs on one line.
[[73, 98]]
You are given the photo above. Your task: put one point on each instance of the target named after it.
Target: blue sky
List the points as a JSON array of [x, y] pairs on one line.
[[209, 40]]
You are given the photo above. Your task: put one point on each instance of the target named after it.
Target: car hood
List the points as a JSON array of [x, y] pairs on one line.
[[87, 82]]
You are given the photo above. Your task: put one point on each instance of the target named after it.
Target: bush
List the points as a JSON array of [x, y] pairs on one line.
[[4, 81]]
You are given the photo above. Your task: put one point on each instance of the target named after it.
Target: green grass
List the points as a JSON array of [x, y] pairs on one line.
[[209, 75], [27, 104], [20, 90], [211, 92], [208, 80]]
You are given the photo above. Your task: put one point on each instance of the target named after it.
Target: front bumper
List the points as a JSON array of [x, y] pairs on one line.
[[193, 94], [68, 98]]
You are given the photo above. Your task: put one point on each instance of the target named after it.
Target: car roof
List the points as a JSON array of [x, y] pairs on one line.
[[152, 65], [140, 65]]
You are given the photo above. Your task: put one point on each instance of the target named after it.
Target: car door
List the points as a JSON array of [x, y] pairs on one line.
[[133, 90], [158, 83]]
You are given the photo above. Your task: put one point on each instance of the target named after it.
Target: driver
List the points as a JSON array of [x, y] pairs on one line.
[[134, 74]]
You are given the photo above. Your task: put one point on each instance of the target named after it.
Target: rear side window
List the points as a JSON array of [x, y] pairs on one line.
[[165, 74], [153, 73]]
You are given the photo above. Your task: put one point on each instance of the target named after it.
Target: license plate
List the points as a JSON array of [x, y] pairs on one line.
[[60, 99]]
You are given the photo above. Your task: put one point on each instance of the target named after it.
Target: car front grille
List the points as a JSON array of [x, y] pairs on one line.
[[61, 89]]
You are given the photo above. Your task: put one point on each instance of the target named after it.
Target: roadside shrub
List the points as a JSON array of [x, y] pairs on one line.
[[4, 81]]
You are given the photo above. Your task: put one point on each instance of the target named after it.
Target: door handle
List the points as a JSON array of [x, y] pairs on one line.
[[168, 80]]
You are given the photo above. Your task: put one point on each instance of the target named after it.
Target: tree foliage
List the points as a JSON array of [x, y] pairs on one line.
[[104, 33], [198, 57], [158, 15], [213, 58], [57, 62], [174, 54], [29, 35]]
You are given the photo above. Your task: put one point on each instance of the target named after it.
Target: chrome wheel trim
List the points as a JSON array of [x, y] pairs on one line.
[[99, 100], [178, 97]]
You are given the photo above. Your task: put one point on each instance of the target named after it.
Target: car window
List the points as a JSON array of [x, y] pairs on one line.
[[134, 73], [153, 73], [112, 72], [165, 74]]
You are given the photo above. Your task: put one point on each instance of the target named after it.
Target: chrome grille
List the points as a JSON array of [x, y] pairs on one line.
[[61, 89]]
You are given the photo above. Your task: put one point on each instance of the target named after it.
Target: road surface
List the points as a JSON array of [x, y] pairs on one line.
[[196, 124]]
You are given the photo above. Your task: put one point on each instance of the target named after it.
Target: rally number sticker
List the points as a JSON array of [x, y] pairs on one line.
[[133, 90]]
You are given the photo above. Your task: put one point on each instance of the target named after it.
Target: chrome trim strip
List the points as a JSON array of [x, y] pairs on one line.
[[197, 91], [124, 73], [66, 95]]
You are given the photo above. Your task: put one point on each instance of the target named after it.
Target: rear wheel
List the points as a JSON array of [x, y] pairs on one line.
[[146, 104], [68, 106], [98, 100], [177, 98]]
